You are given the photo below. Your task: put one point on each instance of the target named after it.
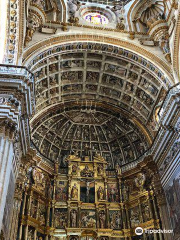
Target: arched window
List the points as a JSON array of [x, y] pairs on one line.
[[96, 18]]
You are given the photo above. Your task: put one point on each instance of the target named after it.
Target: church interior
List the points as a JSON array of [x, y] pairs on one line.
[[89, 119]]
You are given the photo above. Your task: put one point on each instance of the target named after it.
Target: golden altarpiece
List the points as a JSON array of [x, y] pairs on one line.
[[87, 201]]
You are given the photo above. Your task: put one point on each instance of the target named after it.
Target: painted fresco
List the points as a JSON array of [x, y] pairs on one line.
[[60, 219], [61, 192], [112, 191]]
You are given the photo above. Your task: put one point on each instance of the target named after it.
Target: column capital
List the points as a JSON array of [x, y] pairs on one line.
[[8, 127]]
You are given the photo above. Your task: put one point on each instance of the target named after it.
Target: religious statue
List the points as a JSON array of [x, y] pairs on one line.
[[140, 181], [113, 194], [120, 25], [134, 218], [50, 191], [73, 218], [39, 179], [33, 210], [146, 212], [86, 172], [100, 169], [60, 220], [125, 192], [73, 19], [115, 220], [118, 221], [41, 214], [164, 45], [84, 220], [86, 150], [32, 24], [118, 169], [74, 192], [100, 193], [102, 218], [74, 169], [42, 219]]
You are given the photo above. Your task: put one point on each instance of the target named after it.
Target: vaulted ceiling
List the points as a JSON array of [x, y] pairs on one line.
[[73, 127], [95, 95]]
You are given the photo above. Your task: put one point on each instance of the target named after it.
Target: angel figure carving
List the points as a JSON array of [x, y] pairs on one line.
[[140, 181]]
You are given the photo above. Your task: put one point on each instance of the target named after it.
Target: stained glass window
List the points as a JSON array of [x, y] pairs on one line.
[[96, 18]]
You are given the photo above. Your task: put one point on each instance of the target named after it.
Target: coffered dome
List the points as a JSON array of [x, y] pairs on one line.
[[75, 127]]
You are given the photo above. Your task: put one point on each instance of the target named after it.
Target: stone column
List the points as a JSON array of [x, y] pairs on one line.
[[16, 106], [20, 196], [7, 130]]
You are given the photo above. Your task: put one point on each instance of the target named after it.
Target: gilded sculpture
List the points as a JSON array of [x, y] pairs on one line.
[[86, 172], [100, 169], [73, 218], [140, 181], [74, 192], [39, 179], [104, 198], [102, 219], [100, 193]]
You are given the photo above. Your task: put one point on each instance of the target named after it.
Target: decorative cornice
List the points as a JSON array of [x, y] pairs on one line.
[[60, 24]]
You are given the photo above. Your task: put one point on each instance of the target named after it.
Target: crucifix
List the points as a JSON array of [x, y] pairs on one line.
[[87, 181]]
